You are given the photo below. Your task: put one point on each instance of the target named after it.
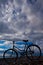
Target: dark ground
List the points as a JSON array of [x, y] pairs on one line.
[[23, 61]]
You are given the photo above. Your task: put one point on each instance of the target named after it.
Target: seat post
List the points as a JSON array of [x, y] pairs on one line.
[[13, 44], [25, 44]]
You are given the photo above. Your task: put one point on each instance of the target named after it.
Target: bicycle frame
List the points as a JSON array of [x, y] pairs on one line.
[[22, 52]]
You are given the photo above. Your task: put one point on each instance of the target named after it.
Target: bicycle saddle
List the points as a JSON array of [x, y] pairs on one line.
[[25, 40]]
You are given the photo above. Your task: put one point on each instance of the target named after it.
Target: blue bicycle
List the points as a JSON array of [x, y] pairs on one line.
[[31, 51]]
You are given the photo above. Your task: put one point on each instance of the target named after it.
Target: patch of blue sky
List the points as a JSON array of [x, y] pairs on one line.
[[2, 41], [4, 47]]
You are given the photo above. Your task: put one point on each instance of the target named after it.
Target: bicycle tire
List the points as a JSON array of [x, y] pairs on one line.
[[9, 58], [33, 57]]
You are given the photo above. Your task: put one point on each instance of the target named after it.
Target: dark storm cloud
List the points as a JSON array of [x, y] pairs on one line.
[[4, 28], [3, 1], [31, 2], [19, 1]]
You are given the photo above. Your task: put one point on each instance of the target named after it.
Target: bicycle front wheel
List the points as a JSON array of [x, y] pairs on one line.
[[10, 56], [33, 52]]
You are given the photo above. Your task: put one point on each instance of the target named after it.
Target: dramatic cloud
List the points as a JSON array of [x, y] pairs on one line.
[[19, 17]]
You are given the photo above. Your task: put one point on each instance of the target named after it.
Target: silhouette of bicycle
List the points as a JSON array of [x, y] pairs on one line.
[[31, 51]]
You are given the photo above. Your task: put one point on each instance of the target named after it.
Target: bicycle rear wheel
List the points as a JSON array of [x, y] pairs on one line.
[[33, 52], [10, 56]]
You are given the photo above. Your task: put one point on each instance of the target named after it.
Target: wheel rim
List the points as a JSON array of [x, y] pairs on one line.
[[10, 56], [33, 52]]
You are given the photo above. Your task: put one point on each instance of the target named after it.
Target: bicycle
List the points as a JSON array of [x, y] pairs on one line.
[[30, 50]]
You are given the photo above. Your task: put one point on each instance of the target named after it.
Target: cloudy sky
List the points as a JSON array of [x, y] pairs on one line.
[[21, 19]]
